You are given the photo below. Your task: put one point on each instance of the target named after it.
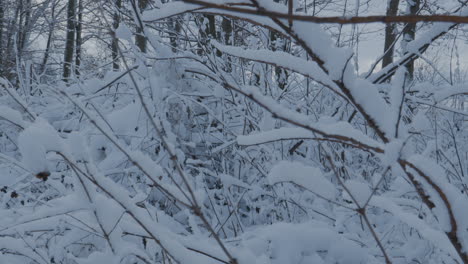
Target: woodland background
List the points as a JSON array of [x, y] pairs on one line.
[[244, 131]]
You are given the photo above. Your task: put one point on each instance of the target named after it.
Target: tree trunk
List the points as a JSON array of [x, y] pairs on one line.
[[19, 34], [277, 42], [49, 41], [12, 29], [26, 26], [115, 41], [409, 33], [226, 26], [79, 39], [226, 33], [207, 31], [2, 23], [140, 39], [211, 29], [173, 36], [390, 36], [70, 41]]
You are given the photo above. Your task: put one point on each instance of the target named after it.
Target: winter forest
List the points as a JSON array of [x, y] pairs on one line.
[[233, 131]]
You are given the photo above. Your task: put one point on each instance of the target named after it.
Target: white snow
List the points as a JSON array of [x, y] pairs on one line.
[[307, 177]]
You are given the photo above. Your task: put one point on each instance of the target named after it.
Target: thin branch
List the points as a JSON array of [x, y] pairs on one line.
[[338, 19]]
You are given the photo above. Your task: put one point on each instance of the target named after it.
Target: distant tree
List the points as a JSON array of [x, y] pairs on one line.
[[140, 38], [79, 37], [2, 28], [51, 25], [115, 42], [390, 34], [409, 32], [70, 40]]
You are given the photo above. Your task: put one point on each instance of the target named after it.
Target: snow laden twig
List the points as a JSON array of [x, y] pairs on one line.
[[154, 230], [15, 96], [361, 209], [353, 137], [354, 89], [418, 46], [134, 157], [193, 204]]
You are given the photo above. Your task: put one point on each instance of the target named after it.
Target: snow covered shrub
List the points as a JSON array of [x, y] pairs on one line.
[[234, 148]]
